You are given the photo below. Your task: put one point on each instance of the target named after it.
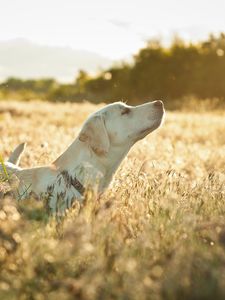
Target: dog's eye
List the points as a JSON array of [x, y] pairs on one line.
[[125, 111]]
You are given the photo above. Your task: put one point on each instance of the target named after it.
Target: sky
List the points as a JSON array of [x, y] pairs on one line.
[[115, 29]]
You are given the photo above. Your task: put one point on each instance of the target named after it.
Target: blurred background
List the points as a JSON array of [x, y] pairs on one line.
[[102, 51]]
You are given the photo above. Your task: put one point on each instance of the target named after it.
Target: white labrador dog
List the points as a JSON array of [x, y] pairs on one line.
[[92, 159]]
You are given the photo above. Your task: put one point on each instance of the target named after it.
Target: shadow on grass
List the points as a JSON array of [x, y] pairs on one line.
[[33, 210]]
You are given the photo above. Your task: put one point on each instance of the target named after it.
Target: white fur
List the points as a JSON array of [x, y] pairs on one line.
[[93, 157]]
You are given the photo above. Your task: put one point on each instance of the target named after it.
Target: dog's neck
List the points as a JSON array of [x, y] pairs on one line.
[[111, 161], [79, 155]]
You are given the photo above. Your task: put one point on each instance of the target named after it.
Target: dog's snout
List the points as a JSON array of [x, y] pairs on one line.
[[158, 103]]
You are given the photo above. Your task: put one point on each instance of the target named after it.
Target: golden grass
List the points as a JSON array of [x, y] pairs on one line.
[[157, 233]]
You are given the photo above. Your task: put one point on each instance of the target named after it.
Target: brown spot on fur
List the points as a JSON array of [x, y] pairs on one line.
[[72, 181], [126, 111]]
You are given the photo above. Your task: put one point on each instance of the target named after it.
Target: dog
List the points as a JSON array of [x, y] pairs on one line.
[[92, 159]]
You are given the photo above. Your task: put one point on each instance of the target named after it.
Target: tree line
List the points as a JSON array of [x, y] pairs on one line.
[[156, 72]]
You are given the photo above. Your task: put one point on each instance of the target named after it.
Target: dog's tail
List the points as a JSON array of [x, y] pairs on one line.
[[11, 166], [16, 154]]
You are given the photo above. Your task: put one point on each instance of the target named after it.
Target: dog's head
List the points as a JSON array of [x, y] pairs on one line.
[[120, 125]]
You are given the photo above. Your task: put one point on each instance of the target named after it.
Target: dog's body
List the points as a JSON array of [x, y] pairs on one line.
[[92, 159]]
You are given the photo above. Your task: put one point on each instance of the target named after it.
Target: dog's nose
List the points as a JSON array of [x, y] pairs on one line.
[[158, 103]]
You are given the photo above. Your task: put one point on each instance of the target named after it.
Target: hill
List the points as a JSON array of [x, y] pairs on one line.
[[25, 59]]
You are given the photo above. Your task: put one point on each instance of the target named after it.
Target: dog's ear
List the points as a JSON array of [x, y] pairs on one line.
[[95, 135]]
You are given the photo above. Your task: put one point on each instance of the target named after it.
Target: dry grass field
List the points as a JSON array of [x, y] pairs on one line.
[[157, 233]]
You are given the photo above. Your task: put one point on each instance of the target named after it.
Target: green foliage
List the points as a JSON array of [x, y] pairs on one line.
[[27, 89], [156, 72]]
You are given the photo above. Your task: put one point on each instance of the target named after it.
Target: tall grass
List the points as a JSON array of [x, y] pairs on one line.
[[157, 233]]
